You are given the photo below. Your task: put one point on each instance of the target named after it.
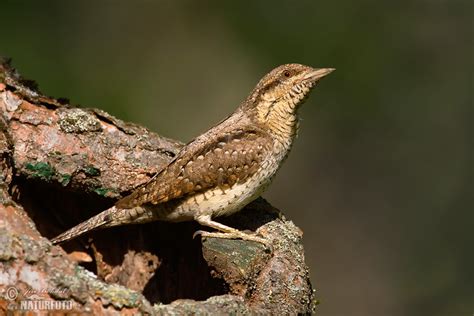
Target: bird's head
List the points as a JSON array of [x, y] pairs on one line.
[[276, 98]]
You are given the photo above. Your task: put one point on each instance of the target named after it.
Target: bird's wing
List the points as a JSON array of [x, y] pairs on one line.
[[212, 160]]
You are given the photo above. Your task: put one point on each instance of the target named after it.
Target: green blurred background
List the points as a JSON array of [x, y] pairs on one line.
[[380, 179]]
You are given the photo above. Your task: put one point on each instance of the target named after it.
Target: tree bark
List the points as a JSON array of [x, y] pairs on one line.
[[61, 164]]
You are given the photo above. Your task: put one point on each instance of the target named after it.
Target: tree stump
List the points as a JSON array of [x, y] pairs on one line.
[[61, 164]]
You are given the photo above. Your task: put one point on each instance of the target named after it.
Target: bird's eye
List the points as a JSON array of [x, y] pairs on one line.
[[286, 73]]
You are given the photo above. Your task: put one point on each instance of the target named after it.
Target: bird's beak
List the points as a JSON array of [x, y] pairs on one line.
[[317, 74]]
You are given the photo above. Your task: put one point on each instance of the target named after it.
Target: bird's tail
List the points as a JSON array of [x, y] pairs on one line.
[[104, 219]]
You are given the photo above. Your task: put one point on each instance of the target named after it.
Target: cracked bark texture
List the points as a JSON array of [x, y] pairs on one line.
[[61, 164]]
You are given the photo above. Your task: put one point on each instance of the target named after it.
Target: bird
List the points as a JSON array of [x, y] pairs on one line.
[[221, 171]]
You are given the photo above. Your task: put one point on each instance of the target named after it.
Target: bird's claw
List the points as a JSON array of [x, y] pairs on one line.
[[198, 232]]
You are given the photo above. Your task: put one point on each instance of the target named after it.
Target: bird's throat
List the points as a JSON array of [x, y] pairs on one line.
[[282, 122]]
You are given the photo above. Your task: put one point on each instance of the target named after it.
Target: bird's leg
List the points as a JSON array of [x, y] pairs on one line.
[[226, 232]]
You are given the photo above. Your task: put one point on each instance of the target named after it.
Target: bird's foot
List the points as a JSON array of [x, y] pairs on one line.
[[234, 235], [227, 232]]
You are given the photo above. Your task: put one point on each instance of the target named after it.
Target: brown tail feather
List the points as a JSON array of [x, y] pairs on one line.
[[96, 222]]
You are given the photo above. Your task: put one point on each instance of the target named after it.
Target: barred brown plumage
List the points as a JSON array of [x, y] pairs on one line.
[[224, 169]]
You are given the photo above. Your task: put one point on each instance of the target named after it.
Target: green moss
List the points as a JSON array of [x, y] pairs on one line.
[[102, 191], [41, 170], [92, 171], [65, 179]]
